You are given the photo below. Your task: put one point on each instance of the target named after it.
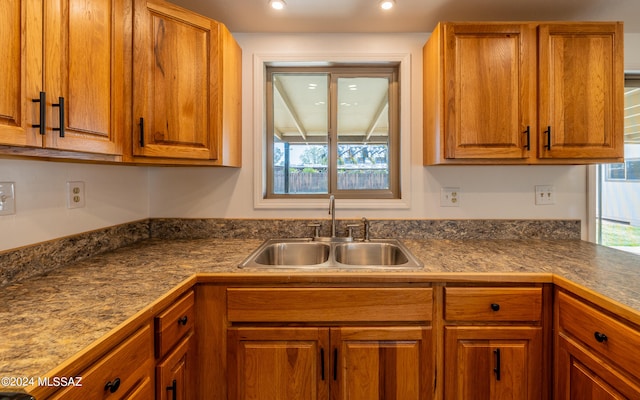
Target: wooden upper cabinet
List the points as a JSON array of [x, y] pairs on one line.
[[493, 90], [181, 102], [489, 90], [75, 57], [84, 65], [21, 65], [581, 104]]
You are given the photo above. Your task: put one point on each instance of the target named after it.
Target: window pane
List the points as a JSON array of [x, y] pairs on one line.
[[633, 170], [615, 171], [363, 133], [300, 131], [618, 185]]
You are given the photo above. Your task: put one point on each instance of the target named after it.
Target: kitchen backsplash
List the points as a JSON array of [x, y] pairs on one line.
[[24, 262], [383, 228]]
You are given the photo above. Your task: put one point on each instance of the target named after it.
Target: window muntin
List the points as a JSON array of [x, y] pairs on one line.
[[332, 130]]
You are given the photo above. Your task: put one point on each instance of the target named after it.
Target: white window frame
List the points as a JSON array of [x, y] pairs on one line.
[[260, 62]]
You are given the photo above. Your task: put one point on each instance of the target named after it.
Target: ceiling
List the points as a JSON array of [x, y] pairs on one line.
[[342, 16]]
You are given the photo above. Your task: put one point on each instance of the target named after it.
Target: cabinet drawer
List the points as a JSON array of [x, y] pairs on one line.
[[173, 323], [126, 368], [493, 304], [620, 343], [329, 304]]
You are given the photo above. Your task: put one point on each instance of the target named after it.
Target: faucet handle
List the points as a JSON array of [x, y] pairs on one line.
[[315, 225], [350, 229]]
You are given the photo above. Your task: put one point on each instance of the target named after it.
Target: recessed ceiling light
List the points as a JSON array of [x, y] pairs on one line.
[[387, 4], [277, 4]]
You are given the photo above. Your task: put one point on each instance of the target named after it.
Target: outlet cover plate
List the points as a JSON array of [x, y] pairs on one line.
[[7, 198], [75, 194], [450, 197]]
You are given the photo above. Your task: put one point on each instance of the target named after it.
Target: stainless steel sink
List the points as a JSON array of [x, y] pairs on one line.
[[370, 253], [293, 253], [309, 254]]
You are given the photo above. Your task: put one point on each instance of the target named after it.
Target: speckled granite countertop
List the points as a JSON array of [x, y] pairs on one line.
[[48, 319]]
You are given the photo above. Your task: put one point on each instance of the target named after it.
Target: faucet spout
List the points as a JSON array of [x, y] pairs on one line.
[[332, 212]]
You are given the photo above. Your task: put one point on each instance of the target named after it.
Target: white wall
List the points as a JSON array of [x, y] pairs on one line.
[[632, 52], [114, 195], [487, 191]]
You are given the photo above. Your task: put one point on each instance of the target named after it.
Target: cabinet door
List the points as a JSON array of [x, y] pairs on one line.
[[493, 363], [278, 363], [175, 374], [581, 111], [175, 60], [381, 363], [490, 90], [84, 73], [21, 66], [583, 375]]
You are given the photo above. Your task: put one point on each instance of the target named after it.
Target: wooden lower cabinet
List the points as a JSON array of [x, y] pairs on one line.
[[174, 375], [176, 350], [596, 353], [489, 362], [494, 342], [317, 362], [124, 373], [580, 375]]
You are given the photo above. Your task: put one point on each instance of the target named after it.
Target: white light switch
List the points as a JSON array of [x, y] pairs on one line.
[[7, 198], [545, 195]]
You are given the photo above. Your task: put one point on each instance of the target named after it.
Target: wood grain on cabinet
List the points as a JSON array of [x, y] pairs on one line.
[[84, 66], [21, 80], [493, 304], [349, 343], [278, 363], [590, 339], [580, 374], [76, 58], [493, 340], [382, 363], [174, 322], [523, 93], [175, 345], [175, 374], [187, 88], [581, 90], [347, 362], [484, 362], [329, 304], [123, 373]]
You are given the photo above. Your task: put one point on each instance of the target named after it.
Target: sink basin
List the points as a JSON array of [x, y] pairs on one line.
[[310, 254], [370, 253], [293, 253]]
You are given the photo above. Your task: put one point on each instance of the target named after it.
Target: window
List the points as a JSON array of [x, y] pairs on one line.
[[618, 185], [333, 130], [627, 171]]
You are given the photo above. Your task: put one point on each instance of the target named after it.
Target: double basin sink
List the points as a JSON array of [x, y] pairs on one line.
[[310, 254]]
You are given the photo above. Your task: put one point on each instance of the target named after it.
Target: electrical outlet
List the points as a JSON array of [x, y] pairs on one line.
[[7, 198], [545, 195], [75, 194], [450, 197]]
